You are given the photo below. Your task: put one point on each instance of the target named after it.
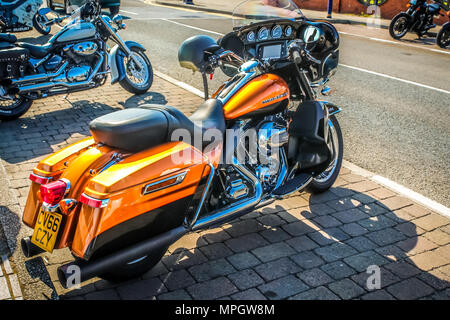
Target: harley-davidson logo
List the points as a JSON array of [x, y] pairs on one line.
[[275, 98]]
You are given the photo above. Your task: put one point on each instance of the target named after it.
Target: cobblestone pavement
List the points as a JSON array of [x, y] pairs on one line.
[[304, 247]]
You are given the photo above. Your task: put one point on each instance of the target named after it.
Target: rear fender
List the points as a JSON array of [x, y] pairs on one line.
[[116, 59], [51, 168]]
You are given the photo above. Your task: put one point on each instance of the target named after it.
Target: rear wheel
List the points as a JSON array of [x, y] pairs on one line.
[[39, 23], [443, 38], [11, 109], [327, 178], [138, 76], [134, 269], [399, 26]]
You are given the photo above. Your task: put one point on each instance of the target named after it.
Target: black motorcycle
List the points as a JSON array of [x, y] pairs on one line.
[[418, 18], [76, 58], [443, 38], [23, 15]]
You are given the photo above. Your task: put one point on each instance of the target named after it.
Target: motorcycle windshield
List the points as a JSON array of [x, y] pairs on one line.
[[252, 11]]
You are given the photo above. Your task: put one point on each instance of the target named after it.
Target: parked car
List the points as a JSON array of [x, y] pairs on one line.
[[113, 5]]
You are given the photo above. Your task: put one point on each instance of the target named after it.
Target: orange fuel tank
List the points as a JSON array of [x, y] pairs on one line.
[[265, 94]]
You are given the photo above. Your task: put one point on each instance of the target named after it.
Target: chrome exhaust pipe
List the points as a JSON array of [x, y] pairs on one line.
[[29, 249], [70, 85], [74, 273], [40, 76], [237, 208]]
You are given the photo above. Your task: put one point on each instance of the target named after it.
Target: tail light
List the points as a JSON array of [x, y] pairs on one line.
[[52, 193], [92, 202], [39, 179]]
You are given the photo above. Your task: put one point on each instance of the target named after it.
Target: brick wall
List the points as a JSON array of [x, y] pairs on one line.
[[388, 9]]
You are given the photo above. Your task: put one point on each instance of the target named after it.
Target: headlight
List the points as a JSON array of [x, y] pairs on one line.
[[277, 32]]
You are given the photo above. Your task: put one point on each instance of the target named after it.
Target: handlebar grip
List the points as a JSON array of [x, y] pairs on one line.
[[296, 56]]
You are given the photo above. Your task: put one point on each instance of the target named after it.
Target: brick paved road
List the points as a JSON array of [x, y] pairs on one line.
[[304, 247]]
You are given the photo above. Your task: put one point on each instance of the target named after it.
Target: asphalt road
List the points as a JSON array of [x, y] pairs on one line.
[[397, 129]]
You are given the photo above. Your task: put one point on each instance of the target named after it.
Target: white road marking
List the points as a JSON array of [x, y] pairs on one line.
[[395, 78], [394, 42], [408, 193], [129, 12], [192, 27]]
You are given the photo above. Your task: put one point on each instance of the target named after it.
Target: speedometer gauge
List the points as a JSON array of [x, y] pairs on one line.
[[251, 36], [288, 31], [277, 32], [263, 34]]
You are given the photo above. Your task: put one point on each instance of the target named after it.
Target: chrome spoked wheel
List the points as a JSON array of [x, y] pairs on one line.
[[40, 23], [333, 144], [13, 108], [399, 27], [137, 70]]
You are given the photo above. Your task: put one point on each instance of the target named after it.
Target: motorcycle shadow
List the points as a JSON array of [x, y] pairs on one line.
[[279, 240]]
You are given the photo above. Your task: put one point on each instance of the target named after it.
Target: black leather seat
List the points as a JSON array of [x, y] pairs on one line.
[[8, 37], [37, 51], [137, 129]]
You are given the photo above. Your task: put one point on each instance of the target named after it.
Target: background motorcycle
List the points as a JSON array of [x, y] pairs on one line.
[[118, 199], [418, 18], [443, 38], [22, 15], [76, 58]]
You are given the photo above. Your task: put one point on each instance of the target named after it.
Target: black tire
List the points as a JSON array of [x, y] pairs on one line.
[[37, 24], [321, 185], [443, 37], [15, 109], [393, 27], [50, 5], [127, 272], [114, 10], [131, 86]]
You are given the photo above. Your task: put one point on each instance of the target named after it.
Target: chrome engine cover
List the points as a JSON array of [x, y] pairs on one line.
[[78, 73], [272, 137], [84, 49]]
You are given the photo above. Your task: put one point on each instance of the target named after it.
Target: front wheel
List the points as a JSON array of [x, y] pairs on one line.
[[443, 38], [138, 76], [11, 109], [39, 23], [327, 178], [399, 26]]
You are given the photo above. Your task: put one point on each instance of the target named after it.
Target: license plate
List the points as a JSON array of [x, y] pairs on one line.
[[46, 230]]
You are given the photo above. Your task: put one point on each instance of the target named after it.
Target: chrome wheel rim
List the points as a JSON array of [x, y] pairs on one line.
[[138, 72], [400, 26], [41, 20], [333, 144]]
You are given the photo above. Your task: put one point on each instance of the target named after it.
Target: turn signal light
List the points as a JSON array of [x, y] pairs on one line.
[[52, 193], [92, 202], [39, 179], [408, 5]]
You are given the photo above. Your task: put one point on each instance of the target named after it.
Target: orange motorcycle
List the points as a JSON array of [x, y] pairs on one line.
[[149, 175]]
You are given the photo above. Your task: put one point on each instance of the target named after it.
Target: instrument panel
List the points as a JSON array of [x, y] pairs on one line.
[[269, 40]]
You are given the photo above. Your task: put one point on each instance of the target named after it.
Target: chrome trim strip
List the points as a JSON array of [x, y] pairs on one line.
[[179, 179], [202, 199]]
